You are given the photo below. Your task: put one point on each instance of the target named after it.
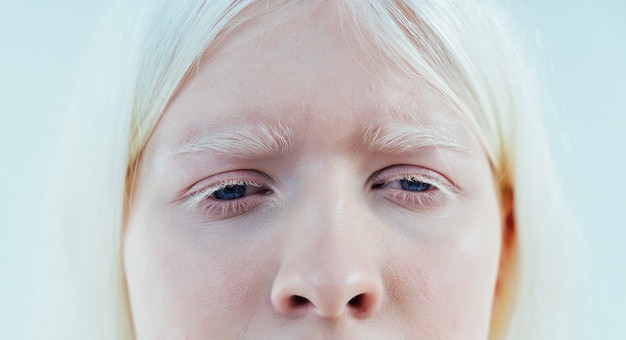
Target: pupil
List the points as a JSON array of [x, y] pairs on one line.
[[414, 185], [231, 192]]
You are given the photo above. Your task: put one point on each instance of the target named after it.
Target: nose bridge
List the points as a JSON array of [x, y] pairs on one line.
[[328, 265], [329, 195], [328, 216]]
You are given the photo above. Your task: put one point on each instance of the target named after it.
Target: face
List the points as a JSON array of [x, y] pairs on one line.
[[296, 187]]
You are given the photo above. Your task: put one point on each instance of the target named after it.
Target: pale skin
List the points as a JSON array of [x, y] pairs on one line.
[[373, 215]]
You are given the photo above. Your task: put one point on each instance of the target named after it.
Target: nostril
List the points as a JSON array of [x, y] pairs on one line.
[[297, 301], [357, 301]]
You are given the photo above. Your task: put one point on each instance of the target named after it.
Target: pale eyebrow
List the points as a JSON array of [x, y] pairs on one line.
[[255, 140], [403, 139]]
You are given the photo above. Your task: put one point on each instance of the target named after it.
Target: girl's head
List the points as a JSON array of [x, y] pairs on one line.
[[338, 169]]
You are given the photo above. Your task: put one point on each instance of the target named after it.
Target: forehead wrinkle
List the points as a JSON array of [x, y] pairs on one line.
[[258, 139]]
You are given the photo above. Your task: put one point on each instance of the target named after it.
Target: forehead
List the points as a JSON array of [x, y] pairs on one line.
[[297, 66]]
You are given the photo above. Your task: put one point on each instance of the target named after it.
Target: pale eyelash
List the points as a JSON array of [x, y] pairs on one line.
[[426, 198], [419, 199], [228, 208], [195, 199], [443, 187]]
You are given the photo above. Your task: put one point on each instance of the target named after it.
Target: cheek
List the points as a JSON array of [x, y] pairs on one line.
[[179, 287], [445, 282]]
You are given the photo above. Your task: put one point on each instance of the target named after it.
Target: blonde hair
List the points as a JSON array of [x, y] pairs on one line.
[[462, 50]]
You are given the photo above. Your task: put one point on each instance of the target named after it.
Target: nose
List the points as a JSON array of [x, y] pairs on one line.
[[328, 269], [331, 284]]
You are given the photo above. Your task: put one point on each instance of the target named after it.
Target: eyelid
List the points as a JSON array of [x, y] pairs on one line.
[[203, 189], [207, 192], [413, 172]]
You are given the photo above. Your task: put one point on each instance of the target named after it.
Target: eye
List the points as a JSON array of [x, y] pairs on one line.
[[411, 183], [231, 192], [414, 185], [224, 196]]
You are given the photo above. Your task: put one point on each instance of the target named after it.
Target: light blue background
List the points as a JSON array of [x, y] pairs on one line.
[[584, 46]]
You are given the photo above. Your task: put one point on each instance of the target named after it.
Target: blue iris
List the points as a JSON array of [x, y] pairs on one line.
[[231, 192], [414, 185]]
